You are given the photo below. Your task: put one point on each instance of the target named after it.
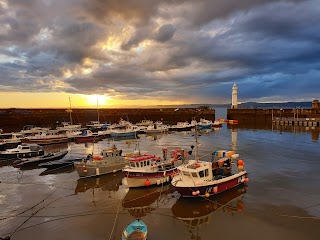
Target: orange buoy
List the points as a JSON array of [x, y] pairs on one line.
[[147, 183], [240, 162], [246, 179], [194, 193], [215, 189], [85, 170], [240, 167], [207, 194]]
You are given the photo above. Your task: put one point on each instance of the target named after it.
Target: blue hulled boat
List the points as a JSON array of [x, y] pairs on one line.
[[135, 230]]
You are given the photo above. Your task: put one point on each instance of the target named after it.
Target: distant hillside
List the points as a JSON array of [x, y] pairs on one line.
[[245, 105], [276, 105]]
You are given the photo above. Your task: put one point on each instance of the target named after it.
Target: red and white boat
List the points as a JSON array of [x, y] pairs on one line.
[[205, 178], [145, 170]]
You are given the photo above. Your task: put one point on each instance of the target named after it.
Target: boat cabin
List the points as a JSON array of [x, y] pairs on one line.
[[143, 161]]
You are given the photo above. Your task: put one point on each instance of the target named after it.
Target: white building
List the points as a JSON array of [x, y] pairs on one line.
[[234, 102]]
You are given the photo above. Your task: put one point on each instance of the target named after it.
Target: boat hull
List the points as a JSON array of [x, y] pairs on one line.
[[138, 179], [209, 188], [87, 139], [45, 141], [40, 159], [91, 170], [13, 156]]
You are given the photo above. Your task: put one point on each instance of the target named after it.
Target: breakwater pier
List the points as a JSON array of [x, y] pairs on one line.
[[13, 119], [301, 117]]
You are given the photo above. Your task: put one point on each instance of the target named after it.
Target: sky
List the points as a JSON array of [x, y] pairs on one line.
[[116, 53]]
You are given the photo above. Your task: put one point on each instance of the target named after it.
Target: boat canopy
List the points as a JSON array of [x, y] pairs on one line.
[[142, 158]]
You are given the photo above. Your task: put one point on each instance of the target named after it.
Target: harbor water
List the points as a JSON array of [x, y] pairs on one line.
[[280, 201]]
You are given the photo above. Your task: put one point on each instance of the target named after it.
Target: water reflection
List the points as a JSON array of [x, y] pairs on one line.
[[196, 212], [313, 130], [108, 182], [64, 169], [140, 201]]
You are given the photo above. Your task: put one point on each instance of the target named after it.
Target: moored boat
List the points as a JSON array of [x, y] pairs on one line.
[[47, 137], [22, 151], [205, 178], [87, 136], [34, 161], [110, 161], [11, 140], [136, 230], [146, 169], [204, 124]]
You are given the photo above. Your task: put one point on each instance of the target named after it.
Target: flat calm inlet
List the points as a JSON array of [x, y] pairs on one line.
[[281, 199]]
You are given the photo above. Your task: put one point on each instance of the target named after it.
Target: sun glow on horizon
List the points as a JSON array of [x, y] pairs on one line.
[[97, 100]]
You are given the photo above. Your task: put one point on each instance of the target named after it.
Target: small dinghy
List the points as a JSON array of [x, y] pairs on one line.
[[136, 230]]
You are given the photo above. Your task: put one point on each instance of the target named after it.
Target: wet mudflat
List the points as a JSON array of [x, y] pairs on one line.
[[281, 201]]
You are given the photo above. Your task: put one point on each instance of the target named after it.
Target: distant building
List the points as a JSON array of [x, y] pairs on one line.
[[234, 102], [315, 104]]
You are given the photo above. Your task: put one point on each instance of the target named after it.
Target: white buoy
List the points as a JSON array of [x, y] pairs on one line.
[[158, 182], [97, 171]]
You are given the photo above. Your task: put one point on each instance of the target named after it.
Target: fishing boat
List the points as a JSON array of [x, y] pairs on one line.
[[216, 124], [11, 140], [156, 128], [34, 161], [87, 136], [22, 151], [109, 161], [136, 230], [182, 126], [144, 170], [205, 178], [47, 137], [204, 124]]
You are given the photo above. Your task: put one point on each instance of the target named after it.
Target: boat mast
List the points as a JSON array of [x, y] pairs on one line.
[[70, 111], [98, 109]]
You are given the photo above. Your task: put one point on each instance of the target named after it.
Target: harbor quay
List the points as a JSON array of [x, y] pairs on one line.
[[302, 117], [13, 119]]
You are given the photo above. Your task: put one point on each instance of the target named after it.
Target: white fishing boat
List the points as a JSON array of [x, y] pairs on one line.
[[22, 151], [47, 137], [209, 177], [12, 140], [157, 128]]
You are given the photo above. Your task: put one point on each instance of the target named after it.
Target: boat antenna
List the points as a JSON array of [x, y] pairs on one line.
[[196, 135]]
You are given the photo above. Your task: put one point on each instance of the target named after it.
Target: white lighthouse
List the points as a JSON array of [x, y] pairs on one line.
[[234, 102]]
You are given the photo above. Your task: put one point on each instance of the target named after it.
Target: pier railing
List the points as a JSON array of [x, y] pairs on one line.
[[296, 121]]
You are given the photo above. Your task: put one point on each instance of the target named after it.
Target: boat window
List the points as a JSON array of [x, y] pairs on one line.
[[201, 174], [206, 172], [148, 163], [132, 164], [185, 173], [137, 164], [141, 164], [144, 163], [194, 174]]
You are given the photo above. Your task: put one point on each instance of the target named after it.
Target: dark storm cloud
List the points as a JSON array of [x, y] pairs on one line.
[[269, 48]]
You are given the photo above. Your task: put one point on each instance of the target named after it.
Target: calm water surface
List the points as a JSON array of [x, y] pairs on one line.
[[282, 200]]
